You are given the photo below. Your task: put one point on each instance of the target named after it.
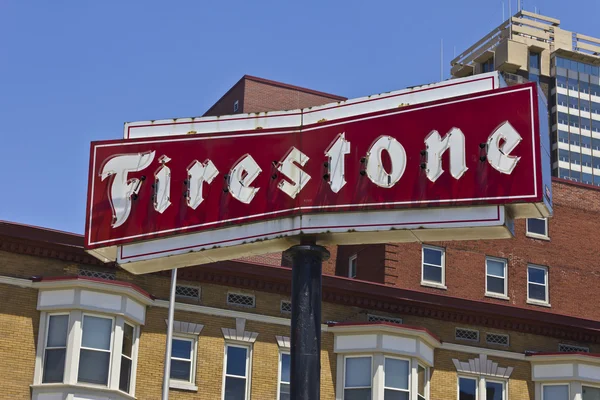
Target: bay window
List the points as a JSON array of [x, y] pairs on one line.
[[95, 350], [56, 348], [88, 339], [555, 392], [397, 375], [357, 378], [284, 376]]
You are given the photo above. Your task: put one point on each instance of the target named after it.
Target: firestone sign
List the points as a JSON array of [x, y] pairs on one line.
[[471, 161]]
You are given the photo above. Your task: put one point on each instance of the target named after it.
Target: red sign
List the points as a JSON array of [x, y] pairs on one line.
[[482, 148]]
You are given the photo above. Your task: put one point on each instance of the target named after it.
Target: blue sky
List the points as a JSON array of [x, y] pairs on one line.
[[74, 71]]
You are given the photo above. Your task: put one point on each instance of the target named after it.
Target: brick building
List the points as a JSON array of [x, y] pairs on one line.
[[509, 319]]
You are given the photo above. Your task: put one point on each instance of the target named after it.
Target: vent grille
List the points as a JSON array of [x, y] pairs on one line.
[[286, 307], [241, 300], [382, 318], [497, 339], [467, 334], [187, 292], [90, 273], [569, 348]]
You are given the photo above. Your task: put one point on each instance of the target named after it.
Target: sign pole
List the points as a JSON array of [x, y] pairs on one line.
[[167, 366], [305, 349]]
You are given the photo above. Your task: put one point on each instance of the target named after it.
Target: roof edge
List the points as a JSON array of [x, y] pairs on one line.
[[293, 87]]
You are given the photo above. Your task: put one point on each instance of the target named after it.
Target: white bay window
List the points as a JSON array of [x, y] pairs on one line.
[[88, 339], [383, 362]]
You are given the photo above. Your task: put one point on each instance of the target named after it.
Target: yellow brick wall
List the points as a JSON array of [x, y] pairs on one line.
[[19, 325], [211, 347]]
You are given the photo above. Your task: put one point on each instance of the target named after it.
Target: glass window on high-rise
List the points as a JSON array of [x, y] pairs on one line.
[[534, 66]]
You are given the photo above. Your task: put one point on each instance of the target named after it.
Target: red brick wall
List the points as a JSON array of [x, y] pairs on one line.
[[224, 106], [572, 256], [261, 96]]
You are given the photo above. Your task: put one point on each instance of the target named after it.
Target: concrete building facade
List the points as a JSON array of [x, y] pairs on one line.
[[566, 64]]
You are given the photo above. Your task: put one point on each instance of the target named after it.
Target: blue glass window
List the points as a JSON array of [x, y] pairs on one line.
[[563, 155], [596, 180], [563, 137], [586, 160], [595, 107], [572, 84], [596, 162], [563, 173], [586, 142], [574, 102], [562, 100], [584, 105], [574, 139], [576, 176], [595, 89], [574, 121], [595, 71], [488, 66], [561, 81], [534, 60], [586, 178], [584, 87], [563, 118], [595, 126], [586, 124], [575, 158]]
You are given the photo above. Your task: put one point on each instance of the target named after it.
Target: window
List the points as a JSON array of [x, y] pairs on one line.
[[494, 390], [496, 339], [433, 266], [183, 351], [488, 66], [284, 376], [285, 307], [421, 382], [466, 334], [383, 318], [187, 292], [570, 348], [352, 266], [467, 388], [534, 60], [96, 344], [537, 227], [357, 378], [236, 106], [590, 393], [397, 374], [555, 392], [56, 348], [495, 280], [126, 357], [537, 284], [237, 363], [90, 273], [242, 300]]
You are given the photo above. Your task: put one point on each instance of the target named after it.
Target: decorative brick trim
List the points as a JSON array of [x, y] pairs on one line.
[[482, 366], [283, 342], [239, 333], [186, 327]]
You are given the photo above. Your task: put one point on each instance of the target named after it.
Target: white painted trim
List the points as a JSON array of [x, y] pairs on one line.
[[9, 280], [96, 285], [399, 330], [222, 312], [180, 385], [66, 389], [566, 357], [482, 350]]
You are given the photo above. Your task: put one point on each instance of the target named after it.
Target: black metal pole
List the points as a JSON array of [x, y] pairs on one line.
[[305, 349]]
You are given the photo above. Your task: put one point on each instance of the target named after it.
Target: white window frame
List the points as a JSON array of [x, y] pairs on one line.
[[442, 284], [353, 258], [279, 382], [473, 378], [546, 285], [555, 384], [503, 296], [370, 356], [109, 382], [132, 358], [427, 377], [248, 368], [47, 326], [534, 234], [189, 384], [409, 379], [504, 386]]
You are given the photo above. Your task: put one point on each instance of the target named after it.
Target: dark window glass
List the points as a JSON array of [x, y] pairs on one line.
[[563, 155], [563, 118], [576, 176], [586, 160], [574, 139], [537, 226], [595, 126], [586, 178], [56, 348], [562, 100], [563, 173], [595, 89], [597, 180], [595, 144], [584, 87], [467, 389], [493, 390], [572, 84], [563, 137], [573, 102], [575, 158], [595, 107], [236, 361], [596, 162], [561, 81]]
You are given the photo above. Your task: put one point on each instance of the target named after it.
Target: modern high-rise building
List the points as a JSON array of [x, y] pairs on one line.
[[566, 64]]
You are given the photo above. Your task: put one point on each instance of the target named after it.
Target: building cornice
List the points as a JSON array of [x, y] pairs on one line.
[[590, 358], [383, 327]]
